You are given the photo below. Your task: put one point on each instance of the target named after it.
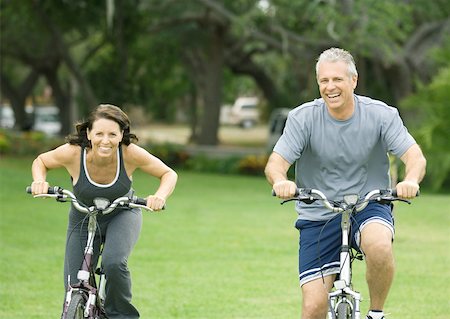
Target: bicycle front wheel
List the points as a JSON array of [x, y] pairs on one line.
[[344, 311], [76, 306]]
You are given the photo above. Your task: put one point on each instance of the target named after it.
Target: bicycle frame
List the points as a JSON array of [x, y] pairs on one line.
[[92, 295], [343, 285], [344, 302], [87, 282]]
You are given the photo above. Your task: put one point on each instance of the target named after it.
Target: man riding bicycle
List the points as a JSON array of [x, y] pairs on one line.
[[339, 144]]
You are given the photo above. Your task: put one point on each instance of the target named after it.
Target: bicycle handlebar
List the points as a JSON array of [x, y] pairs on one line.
[[60, 194], [310, 195]]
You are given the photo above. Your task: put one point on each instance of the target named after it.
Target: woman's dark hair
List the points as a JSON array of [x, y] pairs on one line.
[[103, 111]]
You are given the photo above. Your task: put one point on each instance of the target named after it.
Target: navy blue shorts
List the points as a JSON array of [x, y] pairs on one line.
[[320, 241]]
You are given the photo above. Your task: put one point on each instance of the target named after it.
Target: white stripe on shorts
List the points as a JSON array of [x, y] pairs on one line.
[[369, 221], [315, 273]]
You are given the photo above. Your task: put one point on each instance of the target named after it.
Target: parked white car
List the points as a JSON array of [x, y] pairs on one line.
[[244, 112], [46, 120], [7, 119]]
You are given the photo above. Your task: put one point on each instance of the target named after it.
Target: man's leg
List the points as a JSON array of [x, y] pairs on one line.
[[318, 264], [376, 243], [315, 297]]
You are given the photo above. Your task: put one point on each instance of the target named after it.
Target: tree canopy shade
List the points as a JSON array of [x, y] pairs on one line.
[[164, 55], [429, 115]]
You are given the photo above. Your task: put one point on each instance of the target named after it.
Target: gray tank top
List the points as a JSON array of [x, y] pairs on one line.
[[86, 189]]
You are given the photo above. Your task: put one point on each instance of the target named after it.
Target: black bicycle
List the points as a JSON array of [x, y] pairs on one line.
[[344, 301], [85, 299]]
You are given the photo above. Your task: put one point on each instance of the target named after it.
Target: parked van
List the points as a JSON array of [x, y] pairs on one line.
[[277, 122]]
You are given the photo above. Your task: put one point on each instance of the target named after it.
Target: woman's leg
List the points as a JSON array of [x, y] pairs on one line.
[[121, 235]]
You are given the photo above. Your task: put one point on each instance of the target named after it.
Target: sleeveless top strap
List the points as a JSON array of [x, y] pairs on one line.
[[86, 189]]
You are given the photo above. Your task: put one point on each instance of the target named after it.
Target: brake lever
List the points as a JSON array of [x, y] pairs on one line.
[[287, 200], [305, 199], [403, 200], [61, 198], [388, 200]]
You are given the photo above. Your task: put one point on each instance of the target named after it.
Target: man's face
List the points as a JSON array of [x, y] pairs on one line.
[[336, 86]]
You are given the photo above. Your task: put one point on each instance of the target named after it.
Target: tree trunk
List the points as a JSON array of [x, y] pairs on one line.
[[207, 68], [17, 98], [62, 100], [212, 92]]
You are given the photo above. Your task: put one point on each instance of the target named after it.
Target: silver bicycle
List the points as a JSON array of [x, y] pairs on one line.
[[85, 299], [344, 301]]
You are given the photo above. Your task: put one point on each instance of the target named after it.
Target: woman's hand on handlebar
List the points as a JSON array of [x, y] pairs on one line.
[[407, 189], [39, 187], [156, 203], [284, 189]]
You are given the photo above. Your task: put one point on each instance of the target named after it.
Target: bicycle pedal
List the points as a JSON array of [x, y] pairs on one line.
[[99, 271]]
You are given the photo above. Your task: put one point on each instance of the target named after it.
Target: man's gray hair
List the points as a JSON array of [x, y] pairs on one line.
[[335, 55]]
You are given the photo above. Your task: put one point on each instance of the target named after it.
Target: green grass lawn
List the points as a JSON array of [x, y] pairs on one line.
[[224, 248]]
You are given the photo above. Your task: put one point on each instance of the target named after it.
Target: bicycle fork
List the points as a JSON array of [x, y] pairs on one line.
[[343, 291]]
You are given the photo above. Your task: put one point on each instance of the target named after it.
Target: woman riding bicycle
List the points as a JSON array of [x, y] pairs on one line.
[[100, 159]]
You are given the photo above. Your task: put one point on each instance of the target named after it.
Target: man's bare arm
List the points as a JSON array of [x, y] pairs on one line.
[[415, 166], [276, 173]]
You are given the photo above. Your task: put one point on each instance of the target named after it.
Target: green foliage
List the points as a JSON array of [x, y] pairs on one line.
[[5, 142], [431, 127], [253, 164], [13, 143], [206, 164], [176, 156], [171, 154], [141, 57]]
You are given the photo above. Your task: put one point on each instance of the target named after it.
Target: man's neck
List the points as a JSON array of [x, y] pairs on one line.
[[343, 113]]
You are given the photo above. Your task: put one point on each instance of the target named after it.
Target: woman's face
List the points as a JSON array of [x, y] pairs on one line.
[[105, 137]]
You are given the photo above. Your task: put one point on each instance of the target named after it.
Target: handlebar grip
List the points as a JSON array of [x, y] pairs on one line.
[[140, 201], [297, 193], [394, 193], [51, 190]]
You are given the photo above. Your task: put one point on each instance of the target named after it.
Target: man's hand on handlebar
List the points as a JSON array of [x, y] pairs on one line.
[[284, 189], [407, 189]]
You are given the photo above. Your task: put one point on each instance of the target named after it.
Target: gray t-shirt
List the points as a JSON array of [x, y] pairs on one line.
[[342, 157]]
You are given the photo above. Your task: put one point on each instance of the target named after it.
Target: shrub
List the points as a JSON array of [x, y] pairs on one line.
[[175, 156], [16, 143], [33, 143], [253, 164], [171, 154]]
